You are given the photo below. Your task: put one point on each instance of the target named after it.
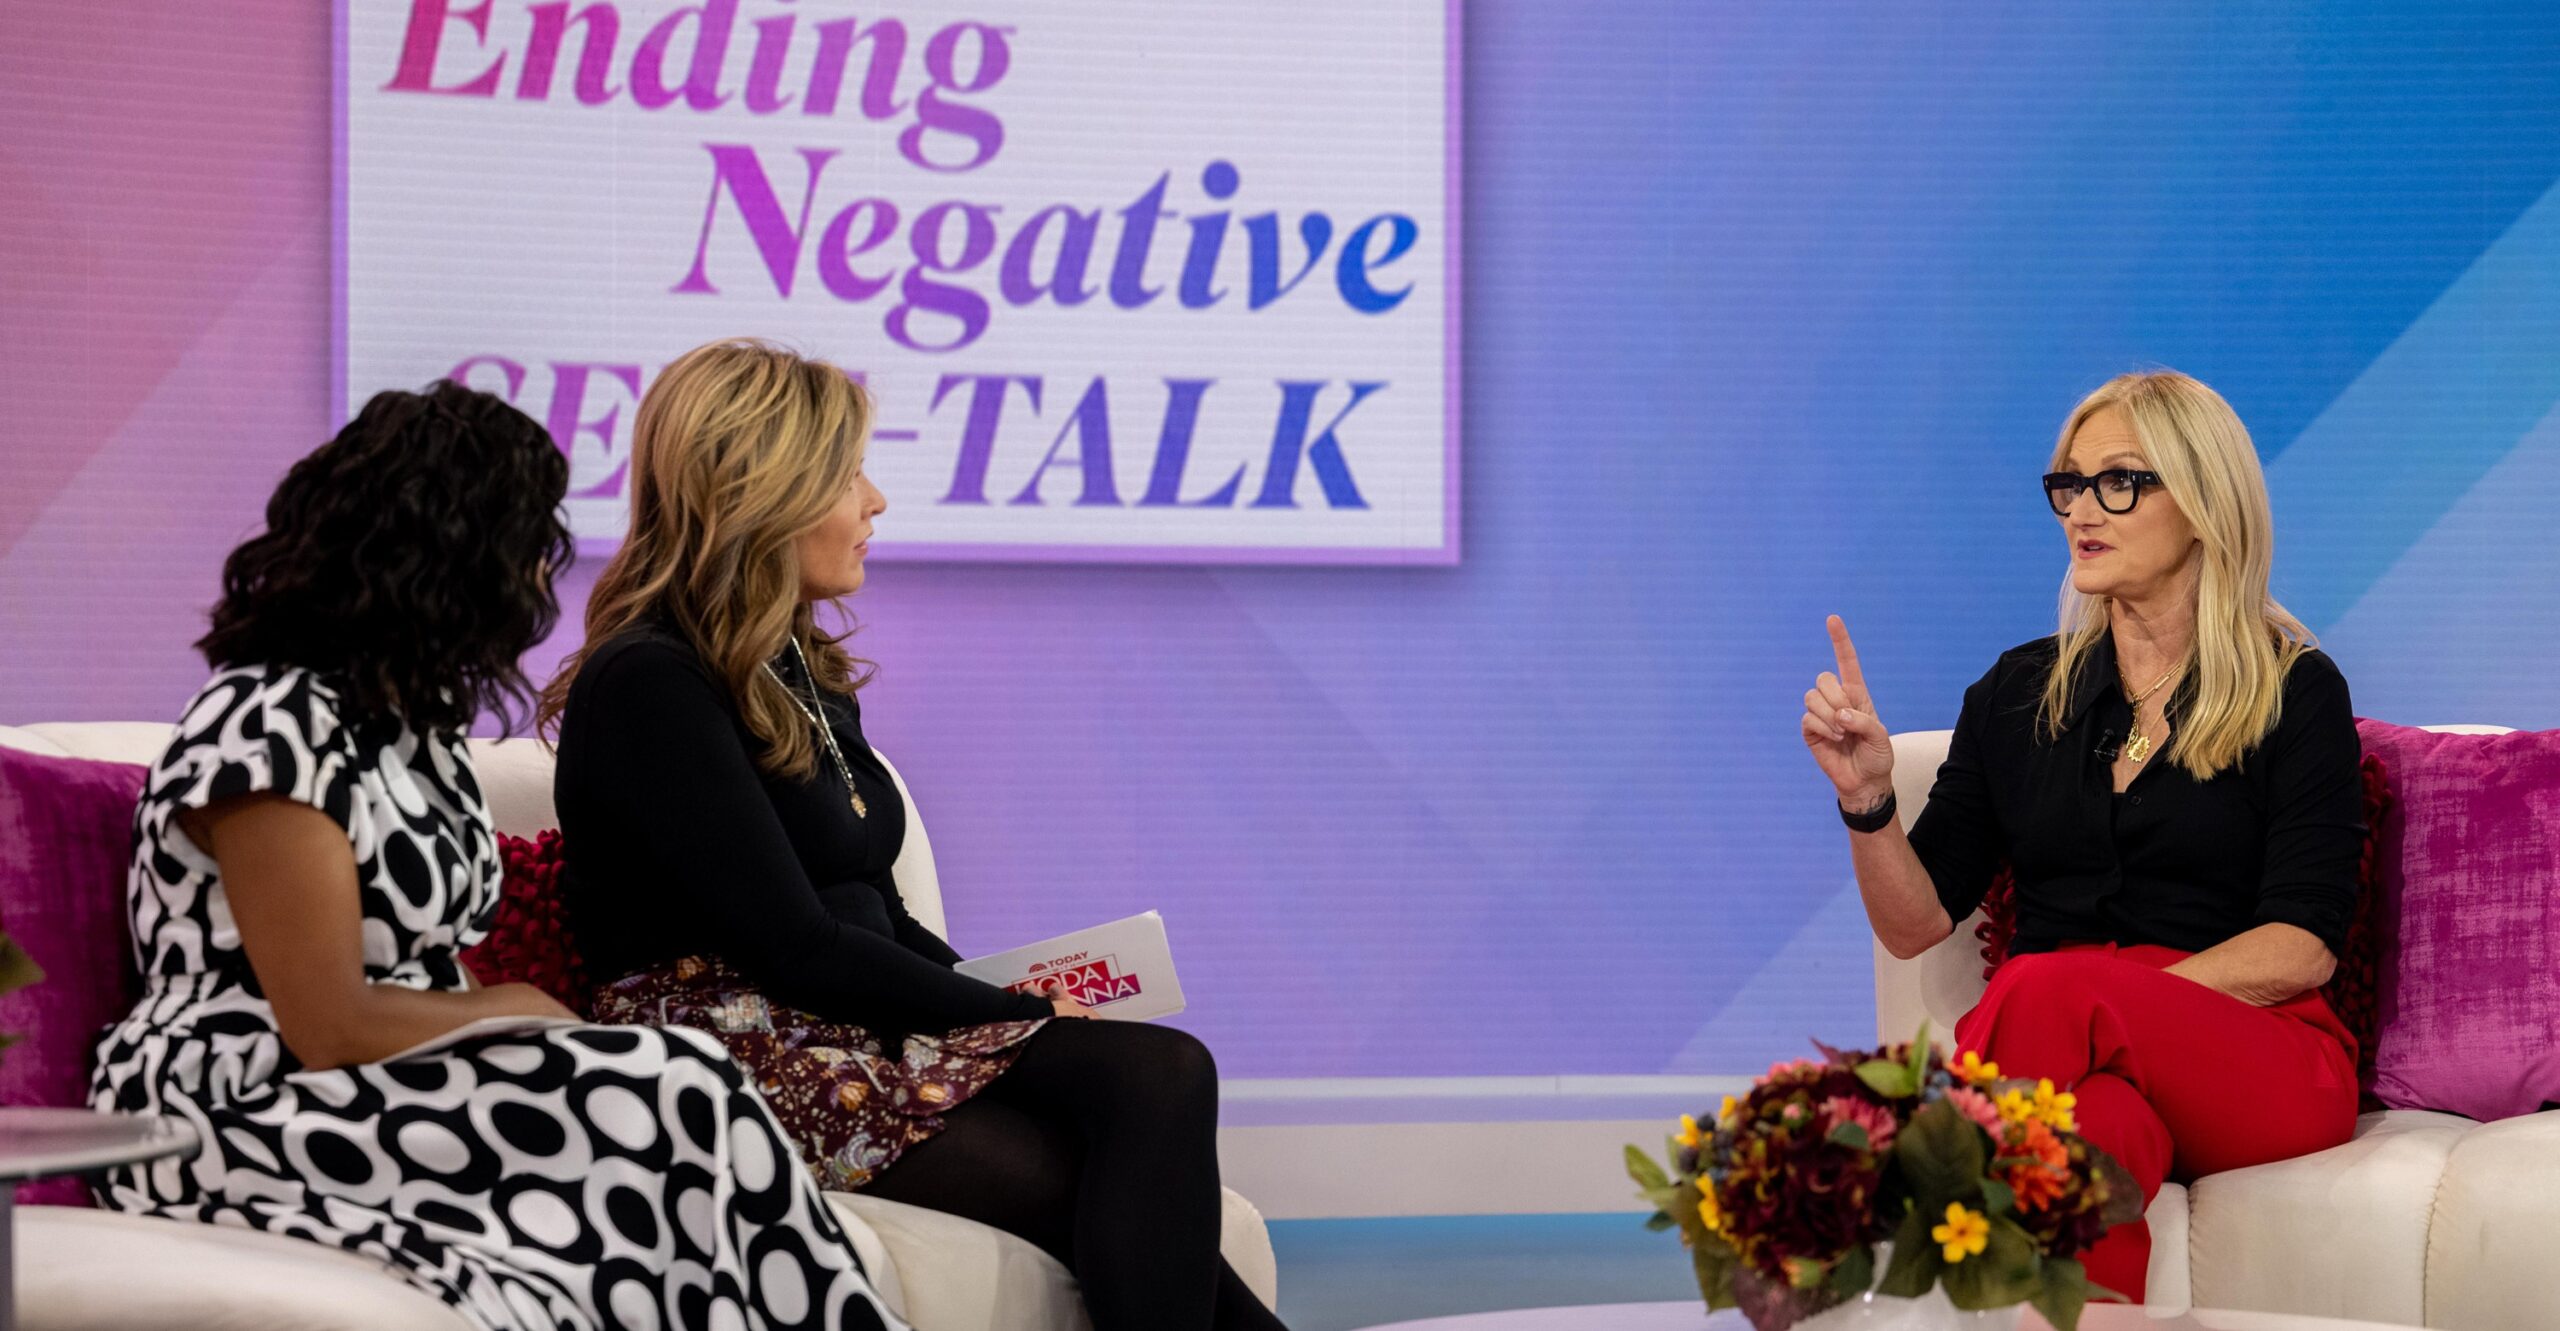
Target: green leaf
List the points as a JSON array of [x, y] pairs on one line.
[[1658, 1222], [1855, 1270], [1713, 1262], [1915, 1262], [1668, 1196], [1890, 1080], [2124, 1194], [1919, 1058], [1941, 1157], [1648, 1175], [2065, 1293], [1998, 1198], [2002, 1274], [1851, 1135], [17, 969]]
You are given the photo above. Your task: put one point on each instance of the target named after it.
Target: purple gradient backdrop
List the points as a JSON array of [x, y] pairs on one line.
[[1770, 312]]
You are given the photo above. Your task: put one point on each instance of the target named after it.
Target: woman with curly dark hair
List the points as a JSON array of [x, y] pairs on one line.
[[311, 855]]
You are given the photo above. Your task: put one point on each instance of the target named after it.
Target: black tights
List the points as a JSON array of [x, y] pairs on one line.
[[1100, 1145]]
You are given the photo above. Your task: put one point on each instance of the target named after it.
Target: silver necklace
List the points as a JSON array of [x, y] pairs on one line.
[[825, 731]]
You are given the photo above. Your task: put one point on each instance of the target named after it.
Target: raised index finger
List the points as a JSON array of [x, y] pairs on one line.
[[1846, 654]]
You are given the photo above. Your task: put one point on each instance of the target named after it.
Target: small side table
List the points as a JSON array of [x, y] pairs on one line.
[[48, 1143]]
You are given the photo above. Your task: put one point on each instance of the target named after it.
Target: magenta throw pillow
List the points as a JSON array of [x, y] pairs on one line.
[[66, 835], [2470, 983]]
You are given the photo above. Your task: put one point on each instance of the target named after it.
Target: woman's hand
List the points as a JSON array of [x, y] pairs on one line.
[[1849, 742], [1062, 1005], [2271, 964]]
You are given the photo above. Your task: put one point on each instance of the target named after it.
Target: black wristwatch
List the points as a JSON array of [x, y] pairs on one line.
[[1873, 820]]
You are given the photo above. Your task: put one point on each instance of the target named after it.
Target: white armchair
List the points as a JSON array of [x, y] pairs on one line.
[[2423, 1219]]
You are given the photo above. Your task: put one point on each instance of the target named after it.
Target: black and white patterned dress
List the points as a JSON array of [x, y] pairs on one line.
[[573, 1176]]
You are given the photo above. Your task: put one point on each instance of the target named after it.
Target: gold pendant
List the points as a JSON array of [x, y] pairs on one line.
[[860, 809], [2139, 747]]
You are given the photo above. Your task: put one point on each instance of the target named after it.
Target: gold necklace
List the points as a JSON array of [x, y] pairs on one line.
[[2138, 748], [825, 731]]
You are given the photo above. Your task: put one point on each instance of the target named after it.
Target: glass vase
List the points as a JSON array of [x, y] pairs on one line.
[[1931, 1312]]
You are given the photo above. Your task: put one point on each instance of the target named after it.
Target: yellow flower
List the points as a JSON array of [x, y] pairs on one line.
[[1725, 1115], [1970, 1069], [2053, 1108], [1709, 1214], [1689, 1135], [1965, 1234], [2046, 1105]]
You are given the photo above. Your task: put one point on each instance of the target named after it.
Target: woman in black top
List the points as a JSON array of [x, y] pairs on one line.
[[2173, 779], [730, 839]]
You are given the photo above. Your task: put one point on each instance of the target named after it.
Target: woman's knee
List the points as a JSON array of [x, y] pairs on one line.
[[1178, 1063], [1149, 1064]]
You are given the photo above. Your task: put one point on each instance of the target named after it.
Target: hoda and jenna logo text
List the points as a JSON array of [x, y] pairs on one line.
[[1147, 280], [1089, 980]]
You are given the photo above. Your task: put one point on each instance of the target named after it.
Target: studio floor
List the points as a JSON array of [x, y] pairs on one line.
[[1337, 1275]]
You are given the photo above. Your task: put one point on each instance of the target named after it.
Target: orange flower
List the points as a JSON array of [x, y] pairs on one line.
[[2036, 1167]]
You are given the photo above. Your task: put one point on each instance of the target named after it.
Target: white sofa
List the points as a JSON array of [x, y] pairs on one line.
[[85, 1270], [2423, 1219]]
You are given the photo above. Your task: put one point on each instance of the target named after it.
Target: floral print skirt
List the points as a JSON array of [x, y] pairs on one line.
[[851, 1104]]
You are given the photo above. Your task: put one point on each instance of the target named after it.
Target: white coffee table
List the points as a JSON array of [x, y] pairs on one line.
[[1693, 1317], [47, 1143]]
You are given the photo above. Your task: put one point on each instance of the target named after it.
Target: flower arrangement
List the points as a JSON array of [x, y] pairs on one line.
[[1980, 1184]]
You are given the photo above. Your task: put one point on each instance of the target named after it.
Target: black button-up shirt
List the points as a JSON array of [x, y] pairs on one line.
[[2175, 861]]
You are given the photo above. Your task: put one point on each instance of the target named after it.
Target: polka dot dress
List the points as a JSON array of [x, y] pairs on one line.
[[574, 1176]]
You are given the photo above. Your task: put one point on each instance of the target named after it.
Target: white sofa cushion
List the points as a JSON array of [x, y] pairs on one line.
[[81, 1270], [85, 1270], [2342, 1233], [2493, 1255], [2172, 1276], [967, 1274], [138, 742], [21, 738], [961, 1276]]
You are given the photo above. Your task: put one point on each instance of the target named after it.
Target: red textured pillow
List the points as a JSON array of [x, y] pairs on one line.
[[529, 942], [2354, 989]]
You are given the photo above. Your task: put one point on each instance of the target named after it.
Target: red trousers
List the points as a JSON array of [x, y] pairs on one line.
[[2174, 1079]]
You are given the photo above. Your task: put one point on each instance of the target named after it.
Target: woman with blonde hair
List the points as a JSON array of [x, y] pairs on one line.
[[2172, 777], [729, 838]]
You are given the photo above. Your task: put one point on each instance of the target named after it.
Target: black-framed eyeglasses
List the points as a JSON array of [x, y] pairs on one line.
[[2118, 490]]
